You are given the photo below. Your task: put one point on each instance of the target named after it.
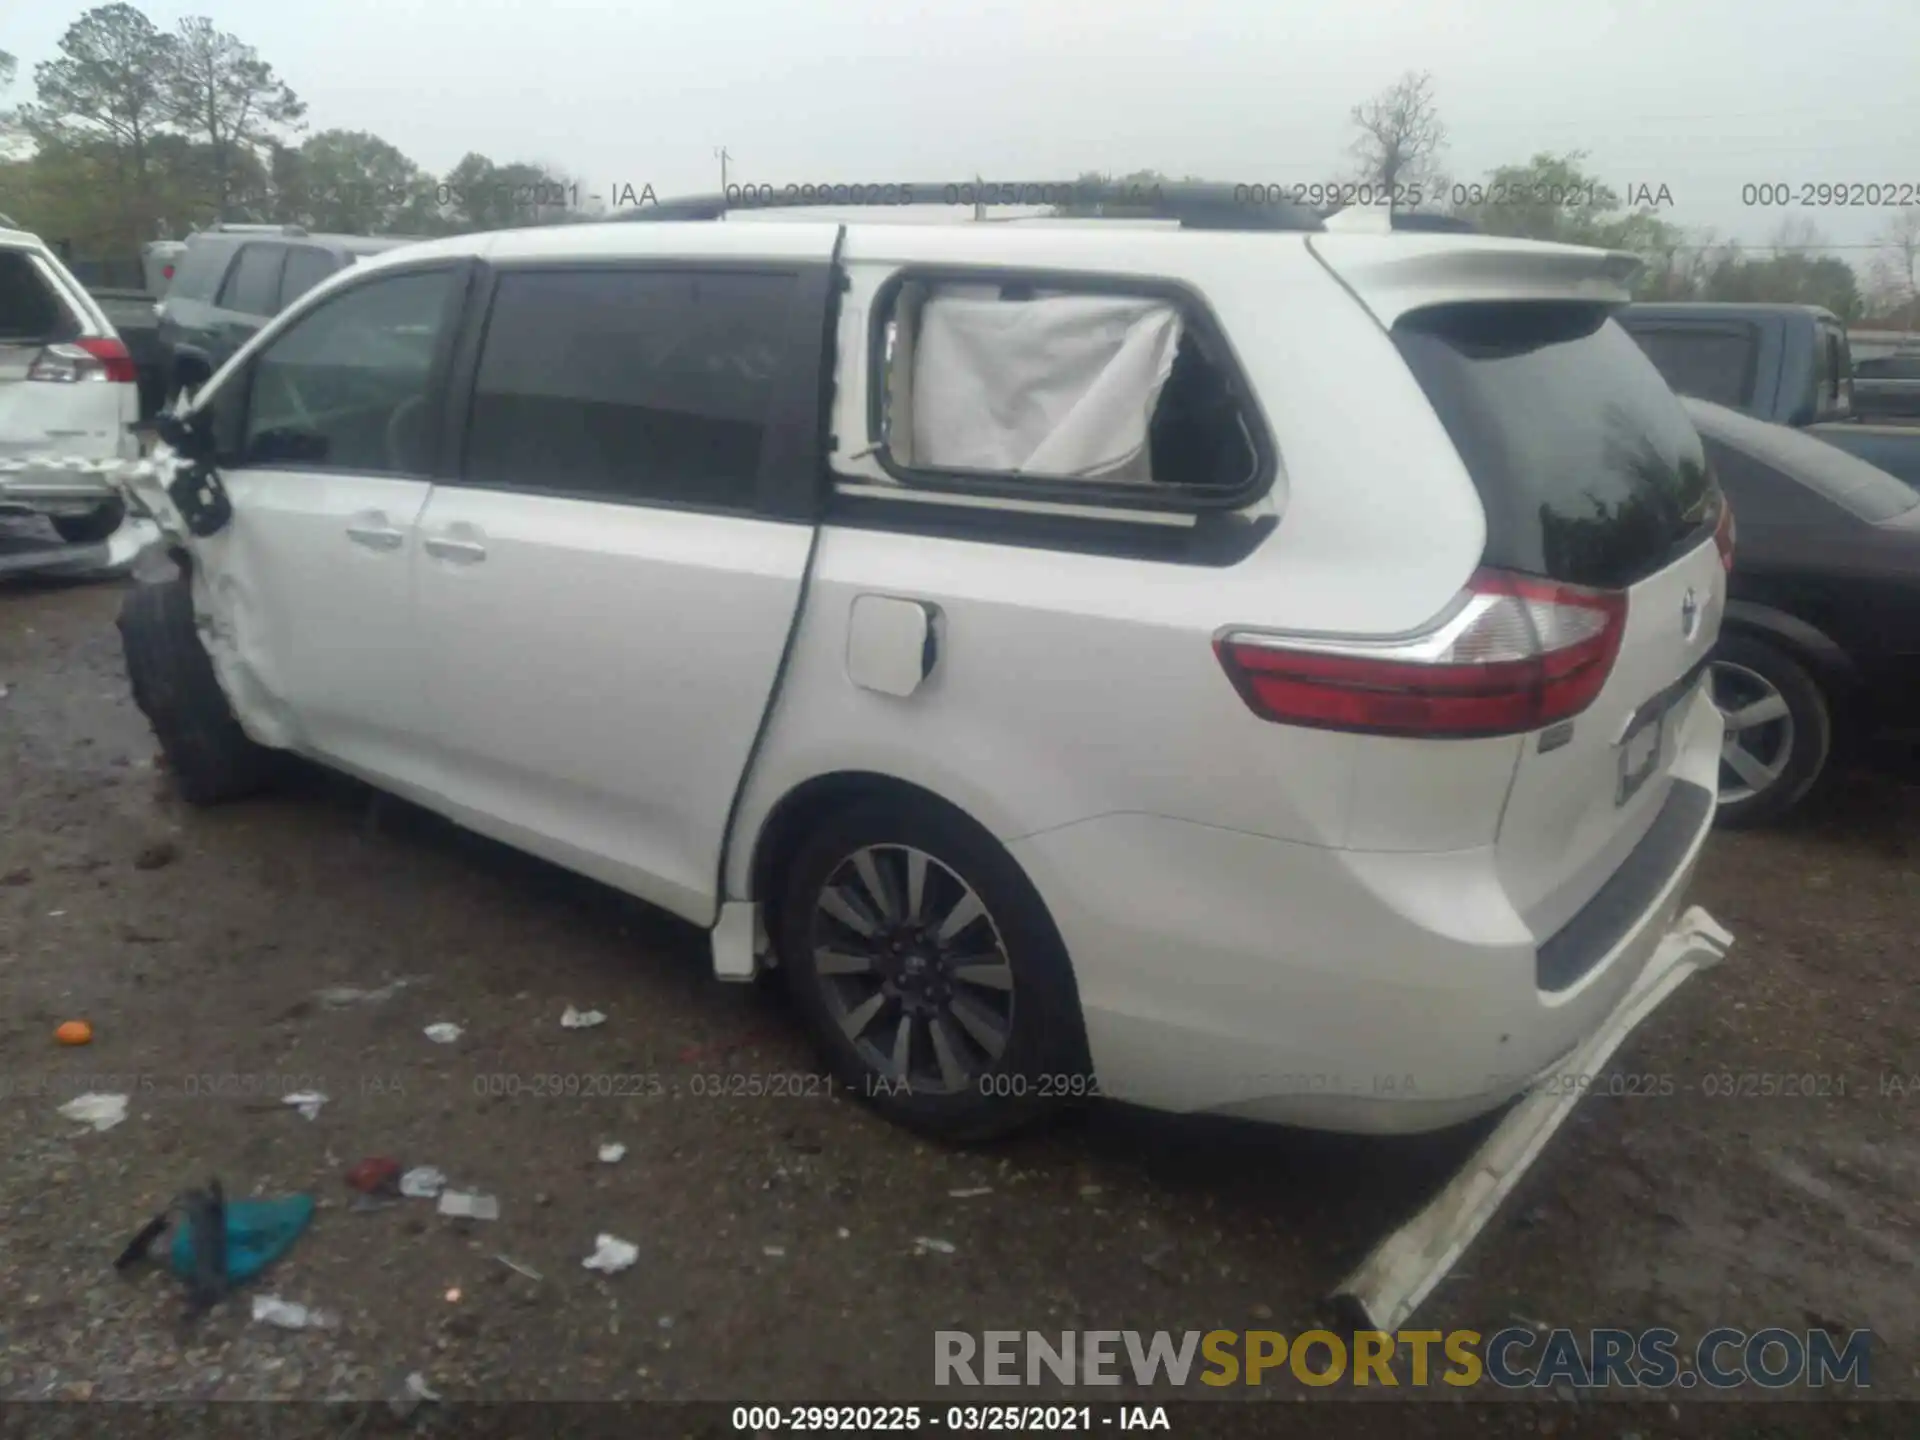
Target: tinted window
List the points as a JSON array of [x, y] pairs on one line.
[[1589, 470], [644, 386], [253, 285], [1889, 367], [1714, 365], [29, 308], [345, 388], [1765, 496], [199, 269], [1825, 476], [306, 268]]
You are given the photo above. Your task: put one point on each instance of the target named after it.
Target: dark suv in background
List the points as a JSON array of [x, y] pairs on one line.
[[232, 279]]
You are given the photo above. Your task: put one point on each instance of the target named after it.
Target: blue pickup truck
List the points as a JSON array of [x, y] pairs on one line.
[[1785, 364]]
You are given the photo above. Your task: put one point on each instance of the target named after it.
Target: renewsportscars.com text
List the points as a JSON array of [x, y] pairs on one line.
[[1517, 1358]]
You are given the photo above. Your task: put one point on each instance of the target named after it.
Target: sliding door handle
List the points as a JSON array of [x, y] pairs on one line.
[[460, 552]]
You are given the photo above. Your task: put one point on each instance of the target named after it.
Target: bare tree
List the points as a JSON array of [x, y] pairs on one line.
[[1895, 272], [1400, 139], [224, 94], [1796, 235], [8, 67]]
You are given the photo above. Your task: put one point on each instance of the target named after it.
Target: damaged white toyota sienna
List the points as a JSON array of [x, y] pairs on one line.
[[1201, 658]]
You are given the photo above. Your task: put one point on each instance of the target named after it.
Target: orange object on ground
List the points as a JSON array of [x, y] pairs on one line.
[[74, 1032]]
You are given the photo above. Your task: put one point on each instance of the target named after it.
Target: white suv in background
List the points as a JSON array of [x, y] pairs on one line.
[[68, 395], [1203, 660]]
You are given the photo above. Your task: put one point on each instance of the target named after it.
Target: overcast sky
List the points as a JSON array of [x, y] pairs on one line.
[[1701, 96]]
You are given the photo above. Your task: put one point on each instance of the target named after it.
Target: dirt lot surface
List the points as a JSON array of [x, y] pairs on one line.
[[782, 1238]]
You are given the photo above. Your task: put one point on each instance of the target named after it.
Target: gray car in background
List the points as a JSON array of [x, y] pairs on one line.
[[229, 281]]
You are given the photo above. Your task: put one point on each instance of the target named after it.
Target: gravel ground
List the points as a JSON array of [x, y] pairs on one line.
[[782, 1237]]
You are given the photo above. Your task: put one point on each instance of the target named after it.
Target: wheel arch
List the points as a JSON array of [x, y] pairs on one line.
[[806, 804], [1832, 668]]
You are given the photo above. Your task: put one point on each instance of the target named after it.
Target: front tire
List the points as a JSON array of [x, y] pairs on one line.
[[1779, 730], [212, 758], [928, 970], [92, 527]]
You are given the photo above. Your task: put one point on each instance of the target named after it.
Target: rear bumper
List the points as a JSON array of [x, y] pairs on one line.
[[1403, 1269], [61, 484], [1373, 992]]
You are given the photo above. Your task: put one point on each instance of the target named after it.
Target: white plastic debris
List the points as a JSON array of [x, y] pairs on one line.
[[518, 1268], [413, 1392], [465, 1205], [611, 1255], [971, 1194], [423, 1182], [290, 1316], [102, 1112], [336, 996], [612, 1154], [773, 1252], [581, 1019], [924, 1243], [444, 1033], [307, 1102]]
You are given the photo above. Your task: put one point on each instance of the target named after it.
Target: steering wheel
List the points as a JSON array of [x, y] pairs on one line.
[[399, 447]]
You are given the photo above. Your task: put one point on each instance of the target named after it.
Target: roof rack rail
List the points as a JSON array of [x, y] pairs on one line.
[[230, 227], [1196, 205]]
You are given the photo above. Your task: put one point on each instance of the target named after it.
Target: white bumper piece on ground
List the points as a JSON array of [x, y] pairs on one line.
[[1404, 1268], [59, 483]]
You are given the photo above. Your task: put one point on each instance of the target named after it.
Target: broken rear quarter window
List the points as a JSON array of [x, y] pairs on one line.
[[1014, 381]]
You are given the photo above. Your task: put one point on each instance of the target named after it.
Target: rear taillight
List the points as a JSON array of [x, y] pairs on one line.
[[1723, 534], [166, 272], [1514, 654], [97, 359]]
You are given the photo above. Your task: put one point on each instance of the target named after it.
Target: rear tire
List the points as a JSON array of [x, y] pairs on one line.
[[1018, 1055], [92, 527], [212, 758], [1779, 729]]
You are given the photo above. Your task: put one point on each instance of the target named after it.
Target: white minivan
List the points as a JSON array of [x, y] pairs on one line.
[[1197, 658]]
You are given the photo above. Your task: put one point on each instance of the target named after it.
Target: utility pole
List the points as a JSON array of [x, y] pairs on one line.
[[722, 155]]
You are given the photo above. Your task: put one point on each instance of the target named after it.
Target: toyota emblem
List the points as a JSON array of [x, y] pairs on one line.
[[1689, 614]]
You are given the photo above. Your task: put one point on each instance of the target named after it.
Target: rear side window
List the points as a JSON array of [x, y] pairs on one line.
[[30, 310], [198, 269], [253, 285], [1764, 496], [1004, 385], [649, 386], [1589, 470], [1797, 477], [1714, 364], [306, 268], [1889, 367]]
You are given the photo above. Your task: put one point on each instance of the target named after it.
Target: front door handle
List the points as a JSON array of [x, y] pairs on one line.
[[376, 535], [461, 552], [371, 528]]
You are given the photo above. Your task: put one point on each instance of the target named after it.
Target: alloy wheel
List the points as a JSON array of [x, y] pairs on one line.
[[1759, 741], [913, 968]]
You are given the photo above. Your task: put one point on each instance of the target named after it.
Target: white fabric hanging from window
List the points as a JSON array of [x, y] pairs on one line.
[[1059, 385]]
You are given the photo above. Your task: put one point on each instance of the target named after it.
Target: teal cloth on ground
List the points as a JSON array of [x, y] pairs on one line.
[[259, 1232]]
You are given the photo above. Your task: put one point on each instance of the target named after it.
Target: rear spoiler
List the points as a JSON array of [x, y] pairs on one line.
[[1394, 274]]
